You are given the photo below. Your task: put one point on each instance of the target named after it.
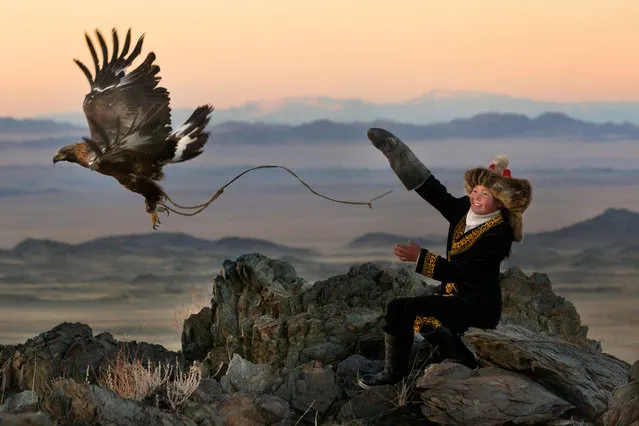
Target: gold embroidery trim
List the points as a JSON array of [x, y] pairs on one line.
[[461, 245], [429, 264], [421, 321], [451, 289]]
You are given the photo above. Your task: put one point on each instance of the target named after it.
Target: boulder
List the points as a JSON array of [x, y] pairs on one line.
[[454, 395], [23, 402], [583, 376]]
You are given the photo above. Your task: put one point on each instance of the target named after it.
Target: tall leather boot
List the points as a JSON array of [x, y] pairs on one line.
[[410, 171], [398, 349], [451, 347]]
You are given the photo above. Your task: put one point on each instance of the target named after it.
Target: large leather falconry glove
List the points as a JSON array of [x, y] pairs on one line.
[[410, 171]]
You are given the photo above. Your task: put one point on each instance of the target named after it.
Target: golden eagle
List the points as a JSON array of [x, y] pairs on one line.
[[130, 124]]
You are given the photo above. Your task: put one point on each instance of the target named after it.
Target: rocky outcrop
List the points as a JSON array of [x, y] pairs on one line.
[[71, 350], [540, 344], [275, 350], [264, 312], [529, 301]]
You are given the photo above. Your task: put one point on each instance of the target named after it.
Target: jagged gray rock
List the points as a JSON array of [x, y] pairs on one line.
[[310, 387], [268, 315], [581, 375], [71, 350], [529, 301], [246, 377], [456, 395], [197, 338]]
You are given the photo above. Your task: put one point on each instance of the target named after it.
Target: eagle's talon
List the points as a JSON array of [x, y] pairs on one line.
[[155, 220]]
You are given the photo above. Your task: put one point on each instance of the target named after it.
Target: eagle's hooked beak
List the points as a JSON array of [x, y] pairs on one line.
[[58, 157]]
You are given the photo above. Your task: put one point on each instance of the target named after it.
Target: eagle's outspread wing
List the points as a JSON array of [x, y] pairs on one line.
[[128, 114]]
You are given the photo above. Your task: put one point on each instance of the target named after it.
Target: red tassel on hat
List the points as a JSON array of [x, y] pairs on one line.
[[505, 173]]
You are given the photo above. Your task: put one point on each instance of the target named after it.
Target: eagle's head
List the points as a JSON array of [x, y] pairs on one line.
[[67, 153]]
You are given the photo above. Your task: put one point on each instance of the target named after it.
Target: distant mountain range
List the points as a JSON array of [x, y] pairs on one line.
[[157, 245], [481, 126], [612, 228], [13, 126], [432, 107], [170, 260]]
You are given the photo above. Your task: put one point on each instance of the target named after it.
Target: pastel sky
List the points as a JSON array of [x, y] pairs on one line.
[[227, 52]]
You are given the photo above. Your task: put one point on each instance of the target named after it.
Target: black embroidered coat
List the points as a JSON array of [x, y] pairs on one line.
[[471, 267]]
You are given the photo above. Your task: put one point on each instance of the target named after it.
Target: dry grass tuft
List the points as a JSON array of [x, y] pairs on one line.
[[406, 387], [133, 379], [182, 386]]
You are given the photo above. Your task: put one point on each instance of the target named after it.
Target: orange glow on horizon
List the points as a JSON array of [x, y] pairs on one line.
[[228, 53]]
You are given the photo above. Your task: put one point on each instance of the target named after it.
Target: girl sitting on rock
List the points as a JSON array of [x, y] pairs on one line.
[[483, 225]]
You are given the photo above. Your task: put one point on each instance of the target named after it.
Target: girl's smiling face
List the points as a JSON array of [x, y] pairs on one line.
[[482, 201]]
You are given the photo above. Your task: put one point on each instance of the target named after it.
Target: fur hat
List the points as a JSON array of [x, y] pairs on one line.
[[514, 193]]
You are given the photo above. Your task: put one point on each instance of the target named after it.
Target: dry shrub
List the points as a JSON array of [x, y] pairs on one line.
[[132, 379], [182, 386], [163, 383]]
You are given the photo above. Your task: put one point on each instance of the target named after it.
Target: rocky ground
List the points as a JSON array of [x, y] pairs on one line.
[[272, 349]]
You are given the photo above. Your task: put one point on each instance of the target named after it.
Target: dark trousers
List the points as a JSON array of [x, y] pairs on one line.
[[453, 312]]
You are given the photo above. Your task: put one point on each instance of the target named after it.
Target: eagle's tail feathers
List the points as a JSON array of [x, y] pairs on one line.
[[190, 138]]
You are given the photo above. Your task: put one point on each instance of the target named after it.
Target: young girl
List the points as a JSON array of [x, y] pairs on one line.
[[483, 225]]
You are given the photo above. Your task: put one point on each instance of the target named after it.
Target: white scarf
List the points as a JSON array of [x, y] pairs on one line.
[[474, 220]]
